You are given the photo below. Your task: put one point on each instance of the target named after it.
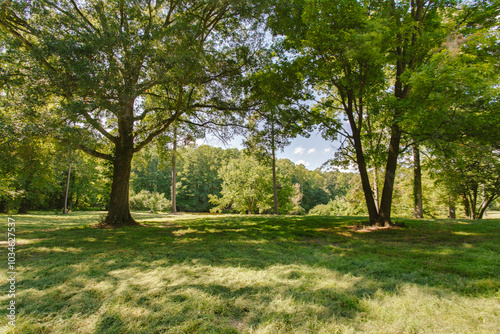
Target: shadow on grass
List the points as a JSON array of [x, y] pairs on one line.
[[225, 274]]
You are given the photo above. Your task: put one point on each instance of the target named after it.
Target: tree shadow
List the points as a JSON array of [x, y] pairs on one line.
[[85, 266]]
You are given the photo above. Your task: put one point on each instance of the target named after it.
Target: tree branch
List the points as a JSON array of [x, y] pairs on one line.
[[153, 134], [214, 123], [98, 127], [84, 17], [94, 153]]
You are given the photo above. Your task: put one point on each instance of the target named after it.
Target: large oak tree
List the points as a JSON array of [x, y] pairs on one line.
[[122, 72]]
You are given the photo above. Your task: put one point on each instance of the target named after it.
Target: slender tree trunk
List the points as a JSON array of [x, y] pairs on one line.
[[375, 187], [375, 168], [384, 217], [25, 205], [474, 204], [484, 203], [451, 209], [3, 206], [484, 206], [275, 189], [65, 210], [404, 62], [174, 175], [417, 184], [360, 159], [467, 206]]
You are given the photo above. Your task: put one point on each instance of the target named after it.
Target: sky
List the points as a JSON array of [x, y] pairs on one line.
[[311, 152]]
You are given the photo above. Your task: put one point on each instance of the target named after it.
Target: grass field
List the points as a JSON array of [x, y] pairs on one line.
[[252, 274]]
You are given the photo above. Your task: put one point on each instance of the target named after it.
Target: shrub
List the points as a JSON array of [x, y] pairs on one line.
[[144, 200], [339, 206], [297, 210]]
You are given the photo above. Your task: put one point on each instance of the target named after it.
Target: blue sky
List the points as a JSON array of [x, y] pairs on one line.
[[312, 152]]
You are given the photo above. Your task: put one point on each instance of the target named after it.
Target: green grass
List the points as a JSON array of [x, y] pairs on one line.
[[253, 274]]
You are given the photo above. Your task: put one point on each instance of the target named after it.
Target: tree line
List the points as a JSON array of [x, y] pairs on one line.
[[208, 179], [383, 77]]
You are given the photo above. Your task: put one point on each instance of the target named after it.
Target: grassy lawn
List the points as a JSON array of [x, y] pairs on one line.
[[253, 274]]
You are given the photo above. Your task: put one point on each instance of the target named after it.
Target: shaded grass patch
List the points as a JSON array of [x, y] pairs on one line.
[[255, 274]]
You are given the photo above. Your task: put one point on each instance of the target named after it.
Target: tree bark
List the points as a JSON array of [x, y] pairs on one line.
[[417, 184], [484, 207], [3, 206], [25, 205], [173, 192], [384, 216], [119, 209], [375, 187], [360, 159], [65, 210], [467, 208], [403, 63], [451, 209], [275, 189]]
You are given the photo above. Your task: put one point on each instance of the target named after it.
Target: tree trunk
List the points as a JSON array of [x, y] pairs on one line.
[[451, 209], [65, 210], [360, 159], [484, 206], [3, 206], [119, 211], [275, 189], [384, 217], [173, 192], [25, 206], [25, 202], [417, 184], [467, 208], [404, 62], [375, 187]]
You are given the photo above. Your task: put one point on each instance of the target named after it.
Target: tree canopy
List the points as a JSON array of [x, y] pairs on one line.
[[121, 73], [112, 77]]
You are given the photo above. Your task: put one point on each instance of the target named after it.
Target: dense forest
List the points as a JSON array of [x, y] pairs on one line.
[[408, 88], [208, 179]]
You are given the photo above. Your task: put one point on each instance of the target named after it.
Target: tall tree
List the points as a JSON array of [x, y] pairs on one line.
[[356, 51], [281, 114], [181, 134], [471, 171], [343, 57], [173, 192], [125, 71], [418, 211]]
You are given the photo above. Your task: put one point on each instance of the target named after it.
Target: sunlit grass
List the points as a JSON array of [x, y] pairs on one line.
[[493, 214], [254, 274]]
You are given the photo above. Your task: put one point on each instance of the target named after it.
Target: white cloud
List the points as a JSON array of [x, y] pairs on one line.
[[327, 150], [299, 150], [302, 162], [311, 150]]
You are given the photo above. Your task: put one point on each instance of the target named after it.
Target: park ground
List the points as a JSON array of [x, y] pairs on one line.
[[252, 274]]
